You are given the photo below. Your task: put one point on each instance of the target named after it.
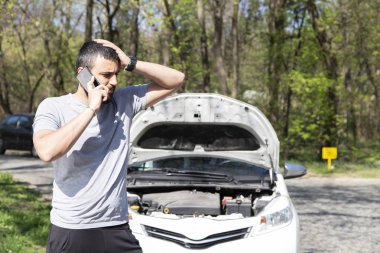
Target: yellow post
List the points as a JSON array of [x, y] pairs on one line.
[[329, 153]]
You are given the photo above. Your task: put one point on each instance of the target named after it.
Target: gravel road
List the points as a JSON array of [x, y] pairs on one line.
[[336, 214]]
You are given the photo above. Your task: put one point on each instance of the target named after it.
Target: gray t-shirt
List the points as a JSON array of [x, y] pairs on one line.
[[89, 187]]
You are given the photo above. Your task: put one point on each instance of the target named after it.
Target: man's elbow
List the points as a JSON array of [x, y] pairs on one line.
[[45, 155], [43, 150], [180, 79], [177, 82], [46, 158]]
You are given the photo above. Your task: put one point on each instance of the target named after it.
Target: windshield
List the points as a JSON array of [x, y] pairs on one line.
[[205, 165]]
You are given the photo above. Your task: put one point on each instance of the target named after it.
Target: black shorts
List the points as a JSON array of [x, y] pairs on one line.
[[113, 239]]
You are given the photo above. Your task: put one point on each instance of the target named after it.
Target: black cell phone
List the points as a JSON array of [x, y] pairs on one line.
[[84, 77]]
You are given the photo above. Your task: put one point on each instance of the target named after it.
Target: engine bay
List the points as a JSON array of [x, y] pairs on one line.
[[195, 203]]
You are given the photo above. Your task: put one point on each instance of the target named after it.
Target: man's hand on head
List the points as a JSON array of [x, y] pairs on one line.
[[124, 59], [164, 80]]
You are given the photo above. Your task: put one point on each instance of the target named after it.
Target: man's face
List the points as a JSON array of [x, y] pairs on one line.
[[106, 72]]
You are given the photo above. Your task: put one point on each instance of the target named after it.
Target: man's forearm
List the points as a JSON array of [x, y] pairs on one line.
[[165, 77], [51, 145], [165, 80]]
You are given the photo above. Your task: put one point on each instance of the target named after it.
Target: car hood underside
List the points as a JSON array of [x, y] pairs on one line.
[[204, 124]]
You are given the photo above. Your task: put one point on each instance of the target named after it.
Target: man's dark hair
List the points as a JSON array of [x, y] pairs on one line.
[[89, 52]]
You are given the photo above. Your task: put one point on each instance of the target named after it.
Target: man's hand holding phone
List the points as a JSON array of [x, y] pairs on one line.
[[96, 95], [96, 92]]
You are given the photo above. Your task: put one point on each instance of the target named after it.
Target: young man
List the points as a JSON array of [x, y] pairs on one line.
[[86, 135]]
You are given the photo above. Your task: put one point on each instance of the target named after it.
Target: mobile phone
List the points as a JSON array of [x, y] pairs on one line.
[[84, 77]]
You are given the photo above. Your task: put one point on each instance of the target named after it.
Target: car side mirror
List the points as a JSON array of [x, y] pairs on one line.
[[293, 170]]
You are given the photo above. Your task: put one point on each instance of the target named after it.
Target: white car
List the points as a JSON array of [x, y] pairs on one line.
[[204, 177]]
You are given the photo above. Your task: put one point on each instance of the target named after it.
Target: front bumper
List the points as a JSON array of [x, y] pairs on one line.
[[282, 240]]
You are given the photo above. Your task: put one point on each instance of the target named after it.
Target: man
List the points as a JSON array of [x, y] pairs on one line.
[[86, 135]]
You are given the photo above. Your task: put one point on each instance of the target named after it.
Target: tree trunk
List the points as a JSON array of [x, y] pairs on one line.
[[276, 29], [111, 31], [88, 31], [173, 32], [170, 21], [31, 88], [33, 92], [331, 64], [235, 49], [166, 36], [299, 20], [204, 47], [350, 111], [376, 94], [25, 66], [4, 84], [218, 12], [134, 37]]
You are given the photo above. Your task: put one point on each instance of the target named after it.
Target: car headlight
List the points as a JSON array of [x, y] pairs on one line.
[[271, 220], [276, 219]]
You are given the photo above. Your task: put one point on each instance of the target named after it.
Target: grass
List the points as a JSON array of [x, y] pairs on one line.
[[343, 169], [360, 161], [24, 218]]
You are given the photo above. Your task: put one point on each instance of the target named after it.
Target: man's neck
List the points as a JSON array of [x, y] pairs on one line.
[[81, 95]]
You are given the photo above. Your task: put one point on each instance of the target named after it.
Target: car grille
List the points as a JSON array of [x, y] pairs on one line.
[[197, 244]]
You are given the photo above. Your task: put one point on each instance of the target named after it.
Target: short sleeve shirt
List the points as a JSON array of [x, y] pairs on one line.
[[89, 188]]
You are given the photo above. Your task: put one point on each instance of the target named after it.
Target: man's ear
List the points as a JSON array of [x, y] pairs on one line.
[[79, 69]]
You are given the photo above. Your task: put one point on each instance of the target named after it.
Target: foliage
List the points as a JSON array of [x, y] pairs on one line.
[[311, 66], [24, 218], [309, 91]]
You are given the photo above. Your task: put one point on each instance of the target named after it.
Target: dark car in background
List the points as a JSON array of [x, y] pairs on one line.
[[16, 132]]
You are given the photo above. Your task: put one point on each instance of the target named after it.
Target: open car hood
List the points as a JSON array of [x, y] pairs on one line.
[[212, 125]]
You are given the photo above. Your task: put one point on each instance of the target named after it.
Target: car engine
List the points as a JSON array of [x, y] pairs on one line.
[[197, 203]]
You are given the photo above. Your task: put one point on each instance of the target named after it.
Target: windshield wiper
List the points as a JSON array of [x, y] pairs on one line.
[[201, 174], [191, 173]]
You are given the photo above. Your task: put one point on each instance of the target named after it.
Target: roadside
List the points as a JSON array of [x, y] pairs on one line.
[[364, 169], [29, 170]]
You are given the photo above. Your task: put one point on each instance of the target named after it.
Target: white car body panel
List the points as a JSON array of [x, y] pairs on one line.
[[277, 241], [214, 109]]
